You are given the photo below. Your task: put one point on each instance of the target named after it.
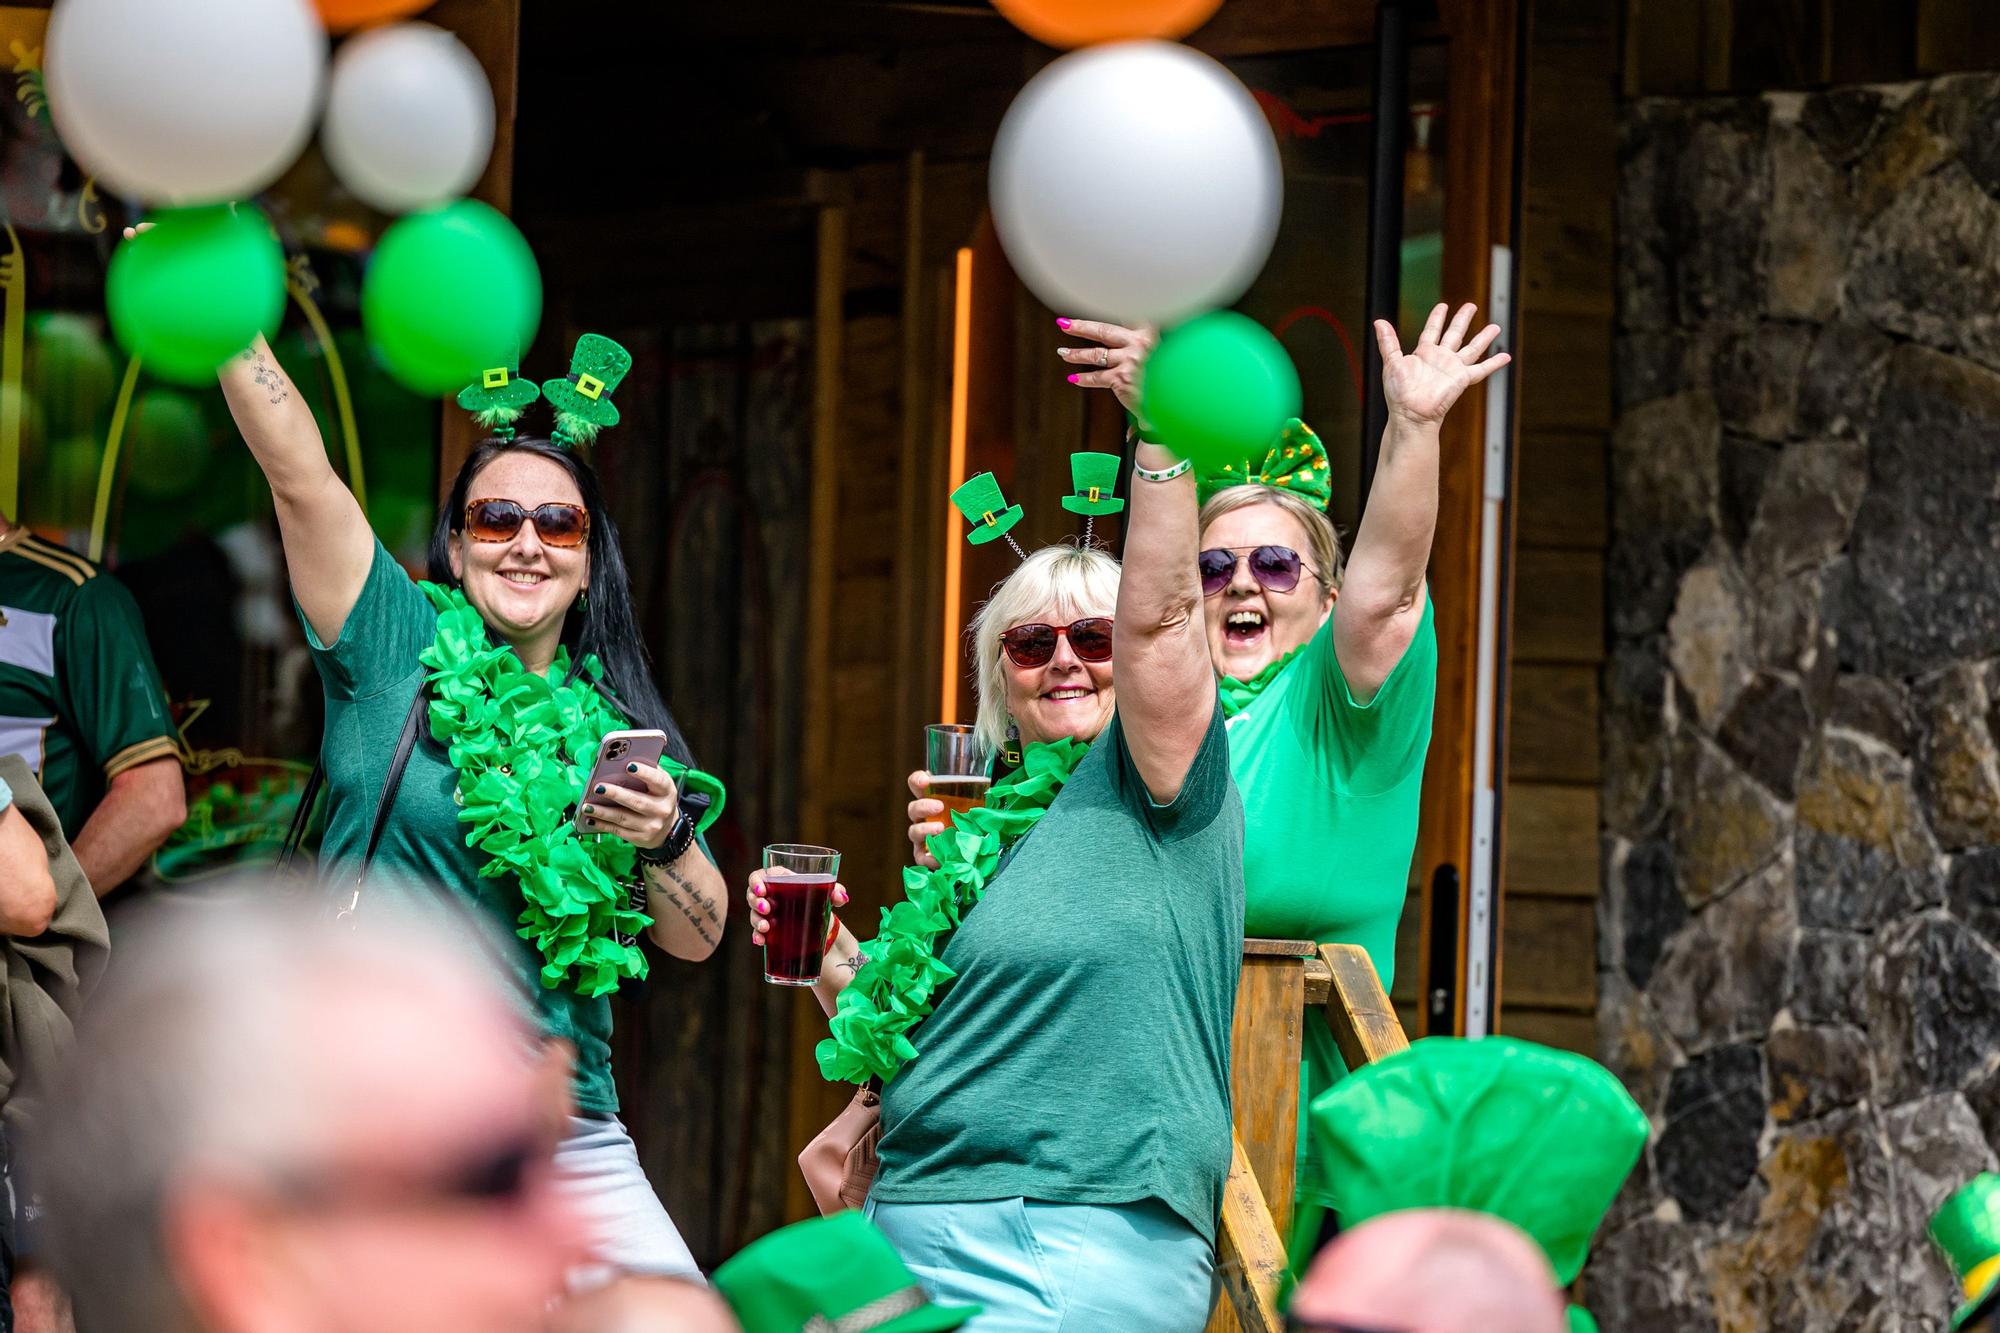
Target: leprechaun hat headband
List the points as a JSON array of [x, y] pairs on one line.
[[988, 516], [1538, 1137], [1966, 1227], [581, 399], [836, 1274], [1296, 463]]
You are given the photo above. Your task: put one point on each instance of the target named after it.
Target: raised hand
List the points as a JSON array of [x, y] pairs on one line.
[[1422, 385], [1116, 363]]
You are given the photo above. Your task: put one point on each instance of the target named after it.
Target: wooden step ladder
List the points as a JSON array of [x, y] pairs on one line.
[[1285, 985]]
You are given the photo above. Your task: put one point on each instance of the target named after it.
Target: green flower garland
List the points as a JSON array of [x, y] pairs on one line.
[[523, 746], [1238, 695], [895, 989]]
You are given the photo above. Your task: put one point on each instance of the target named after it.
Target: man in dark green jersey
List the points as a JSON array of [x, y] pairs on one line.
[[81, 703]]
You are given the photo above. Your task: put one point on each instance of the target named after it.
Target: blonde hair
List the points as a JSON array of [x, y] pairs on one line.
[[1329, 562], [1077, 582]]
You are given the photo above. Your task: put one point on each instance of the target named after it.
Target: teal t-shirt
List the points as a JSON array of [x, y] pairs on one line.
[[1331, 791], [371, 675], [1082, 1053]]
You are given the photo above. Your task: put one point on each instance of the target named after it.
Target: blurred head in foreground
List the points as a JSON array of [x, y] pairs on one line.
[[1434, 1269], [272, 1124]]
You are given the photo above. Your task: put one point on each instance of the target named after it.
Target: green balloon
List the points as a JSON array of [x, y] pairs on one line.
[[70, 371], [1219, 388], [167, 443], [192, 291], [450, 293]]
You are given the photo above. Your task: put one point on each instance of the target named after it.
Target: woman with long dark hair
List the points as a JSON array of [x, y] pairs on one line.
[[517, 658]]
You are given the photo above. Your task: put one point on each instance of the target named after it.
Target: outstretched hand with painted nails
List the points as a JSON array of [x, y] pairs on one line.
[[1116, 363], [1422, 385]]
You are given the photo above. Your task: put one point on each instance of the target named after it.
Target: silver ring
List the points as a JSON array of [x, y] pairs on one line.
[[1103, 356]]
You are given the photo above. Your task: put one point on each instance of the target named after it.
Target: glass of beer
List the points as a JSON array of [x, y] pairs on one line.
[[959, 765], [799, 889]]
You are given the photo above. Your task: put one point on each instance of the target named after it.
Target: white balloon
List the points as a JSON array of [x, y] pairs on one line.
[[185, 101], [1136, 181], [409, 117]]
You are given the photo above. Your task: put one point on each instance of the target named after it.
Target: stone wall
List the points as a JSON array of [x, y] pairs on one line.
[[1800, 932]]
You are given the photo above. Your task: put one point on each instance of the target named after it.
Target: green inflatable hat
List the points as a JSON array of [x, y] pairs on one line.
[[1967, 1229], [499, 400], [583, 400], [835, 1274], [1538, 1137], [1095, 477], [988, 516]]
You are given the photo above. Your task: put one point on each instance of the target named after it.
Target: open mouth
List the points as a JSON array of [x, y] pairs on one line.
[[1244, 629], [523, 578], [1067, 694]]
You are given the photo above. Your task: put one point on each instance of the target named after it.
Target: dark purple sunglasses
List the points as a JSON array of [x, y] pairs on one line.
[[1276, 568]]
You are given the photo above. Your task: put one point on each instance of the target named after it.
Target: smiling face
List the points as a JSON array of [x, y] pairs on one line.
[[1066, 697], [522, 587], [1251, 626]]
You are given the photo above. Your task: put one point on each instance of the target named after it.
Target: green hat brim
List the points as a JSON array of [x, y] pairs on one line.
[[1985, 1303], [516, 392], [930, 1319], [1077, 504], [1003, 523], [562, 395]]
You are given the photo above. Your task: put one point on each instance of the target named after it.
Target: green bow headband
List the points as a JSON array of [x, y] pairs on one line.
[[581, 399], [1297, 463]]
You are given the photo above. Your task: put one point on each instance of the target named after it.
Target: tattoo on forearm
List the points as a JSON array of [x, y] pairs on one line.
[[701, 915], [854, 962], [268, 376]]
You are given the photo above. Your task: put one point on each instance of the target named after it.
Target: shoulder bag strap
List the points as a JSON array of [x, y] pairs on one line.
[[295, 836], [405, 743]]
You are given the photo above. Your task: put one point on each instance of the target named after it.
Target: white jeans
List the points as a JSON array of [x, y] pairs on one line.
[[598, 1167]]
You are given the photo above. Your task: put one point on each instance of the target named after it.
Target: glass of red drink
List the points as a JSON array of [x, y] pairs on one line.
[[798, 885]]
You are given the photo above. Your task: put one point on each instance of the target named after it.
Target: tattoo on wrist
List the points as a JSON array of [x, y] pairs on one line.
[[854, 962]]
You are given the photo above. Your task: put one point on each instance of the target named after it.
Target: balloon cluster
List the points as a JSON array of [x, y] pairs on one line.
[[1138, 181], [189, 108]]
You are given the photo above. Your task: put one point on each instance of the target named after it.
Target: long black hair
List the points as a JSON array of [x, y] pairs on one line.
[[601, 623]]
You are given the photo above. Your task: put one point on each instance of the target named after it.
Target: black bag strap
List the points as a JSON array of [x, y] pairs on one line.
[[405, 743], [295, 836]]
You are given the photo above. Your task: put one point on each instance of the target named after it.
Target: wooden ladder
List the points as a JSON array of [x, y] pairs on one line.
[[1285, 984]]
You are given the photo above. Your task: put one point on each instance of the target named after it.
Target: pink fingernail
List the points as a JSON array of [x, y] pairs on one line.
[[1074, 378], [1063, 324]]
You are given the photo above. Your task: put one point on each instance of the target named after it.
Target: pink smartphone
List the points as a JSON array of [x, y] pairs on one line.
[[614, 753]]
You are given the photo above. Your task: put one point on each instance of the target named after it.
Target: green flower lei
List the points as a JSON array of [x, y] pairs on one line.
[[896, 988], [523, 745], [1238, 695]]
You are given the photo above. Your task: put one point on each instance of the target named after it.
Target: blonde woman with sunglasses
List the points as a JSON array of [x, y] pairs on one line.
[[1055, 1120]]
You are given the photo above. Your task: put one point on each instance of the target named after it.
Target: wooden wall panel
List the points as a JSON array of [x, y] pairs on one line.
[[1551, 962], [1558, 605], [1562, 489], [1552, 735], [1552, 840]]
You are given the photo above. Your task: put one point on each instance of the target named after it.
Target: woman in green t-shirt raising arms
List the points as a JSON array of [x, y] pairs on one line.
[[1055, 1120], [1328, 670], [522, 653]]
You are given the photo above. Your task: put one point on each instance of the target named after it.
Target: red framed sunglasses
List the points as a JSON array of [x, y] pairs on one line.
[[560, 525], [1034, 644]]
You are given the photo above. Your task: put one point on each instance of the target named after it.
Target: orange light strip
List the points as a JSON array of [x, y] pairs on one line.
[[954, 528]]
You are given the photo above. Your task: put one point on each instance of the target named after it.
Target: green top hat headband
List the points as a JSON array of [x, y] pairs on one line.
[[988, 516], [581, 399], [1537, 1137], [1967, 1229], [835, 1274], [1297, 463]]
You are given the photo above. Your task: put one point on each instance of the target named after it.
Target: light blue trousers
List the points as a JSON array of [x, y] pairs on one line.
[[1057, 1267]]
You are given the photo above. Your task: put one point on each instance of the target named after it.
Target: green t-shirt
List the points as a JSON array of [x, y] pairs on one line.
[[1331, 790], [1082, 1053], [371, 675], [80, 698]]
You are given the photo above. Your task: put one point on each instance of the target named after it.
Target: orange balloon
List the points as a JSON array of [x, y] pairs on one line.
[[347, 15], [1085, 22]]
